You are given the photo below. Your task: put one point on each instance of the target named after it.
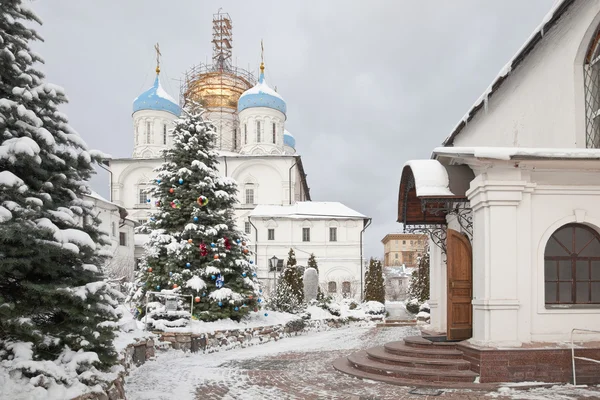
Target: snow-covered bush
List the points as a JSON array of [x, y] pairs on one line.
[[373, 308], [412, 306], [284, 299], [424, 307]]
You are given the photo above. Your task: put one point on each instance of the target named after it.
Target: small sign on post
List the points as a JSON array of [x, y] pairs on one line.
[[171, 304]]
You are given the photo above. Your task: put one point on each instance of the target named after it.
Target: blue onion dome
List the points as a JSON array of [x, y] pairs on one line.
[[261, 95], [288, 139], [156, 98]]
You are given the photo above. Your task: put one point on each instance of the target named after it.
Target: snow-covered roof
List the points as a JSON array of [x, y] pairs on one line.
[[307, 210], [261, 95], [511, 153], [431, 178], [156, 98], [558, 9]]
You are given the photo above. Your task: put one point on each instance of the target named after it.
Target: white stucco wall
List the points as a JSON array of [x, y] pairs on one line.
[[541, 104]]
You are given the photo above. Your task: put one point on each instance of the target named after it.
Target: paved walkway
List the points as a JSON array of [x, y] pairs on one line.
[[397, 310], [295, 368]]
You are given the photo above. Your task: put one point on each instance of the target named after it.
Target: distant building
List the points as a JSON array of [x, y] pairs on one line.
[[403, 249], [397, 282]]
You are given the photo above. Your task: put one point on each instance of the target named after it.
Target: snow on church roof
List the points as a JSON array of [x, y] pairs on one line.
[[261, 95], [510, 153], [431, 178], [557, 10], [156, 98], [308, 210]]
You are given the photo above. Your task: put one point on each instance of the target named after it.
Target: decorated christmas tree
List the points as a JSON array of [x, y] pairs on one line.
[[374, 284], [54, 307], [194, 247]]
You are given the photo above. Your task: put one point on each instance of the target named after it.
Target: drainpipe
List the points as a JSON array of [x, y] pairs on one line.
[[290, 179], [109, 180], [255, 242], [362, 275]]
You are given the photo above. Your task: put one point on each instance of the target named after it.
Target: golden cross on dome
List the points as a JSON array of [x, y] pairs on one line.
[[158, 54], [262, 56]]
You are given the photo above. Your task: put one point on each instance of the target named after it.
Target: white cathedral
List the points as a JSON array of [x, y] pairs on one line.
[[275, 209]]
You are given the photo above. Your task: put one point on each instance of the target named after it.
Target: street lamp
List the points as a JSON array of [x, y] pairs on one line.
[[274, 261]]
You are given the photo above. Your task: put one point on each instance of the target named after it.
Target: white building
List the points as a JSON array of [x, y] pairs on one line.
[[259, 153], [511, 203], [119, 229]]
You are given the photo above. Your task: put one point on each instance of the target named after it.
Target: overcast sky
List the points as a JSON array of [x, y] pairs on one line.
[[368, 84]]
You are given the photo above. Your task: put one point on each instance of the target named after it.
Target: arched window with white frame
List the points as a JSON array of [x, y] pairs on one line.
[[591, 75]]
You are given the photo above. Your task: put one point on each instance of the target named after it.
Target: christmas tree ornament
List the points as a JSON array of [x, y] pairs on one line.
[[157, 203], [170, 273], [149, 269], [203, 250], [266, 314], [220, 304], [243, 243], [227, 243], [244, 274], [152, 219], [216, 256], [188, 265], [238, 241], [148, 200], [158, 180], [157, 287], [250, 297], [254, 274], [259, 290], [251, 262], [175, 286], [204, 294], [171, 190], [220, 281], [196, 219], [181, 181], [245, 251], [256, 310], [202, 201], [259, 300], [213, 245], [197, 299], [173, 205], [236, 309], [213, 277]]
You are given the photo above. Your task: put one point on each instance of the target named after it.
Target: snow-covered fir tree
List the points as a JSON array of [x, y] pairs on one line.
[[419, 281], [293, 276], [374, 283], [56, 314], [194, 247], [312, 262], [284, 299]]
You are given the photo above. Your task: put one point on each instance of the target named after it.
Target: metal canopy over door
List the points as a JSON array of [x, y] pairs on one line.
[[460, 286]]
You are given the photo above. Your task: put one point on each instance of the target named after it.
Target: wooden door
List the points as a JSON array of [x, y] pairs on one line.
[[460, 286]]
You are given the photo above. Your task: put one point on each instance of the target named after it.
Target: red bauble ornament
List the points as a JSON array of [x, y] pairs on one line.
[[245, 251], [197, 299], [250, 297], [227, 244], [256, 310], [203, 251], [216, 257], [171, 190], [150, 269], [175, 286]]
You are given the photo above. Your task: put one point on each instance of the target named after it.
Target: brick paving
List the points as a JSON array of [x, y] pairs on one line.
[[297, 368]]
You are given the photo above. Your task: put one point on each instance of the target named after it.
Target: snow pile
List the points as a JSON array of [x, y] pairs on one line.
[[22, 378], [373, 307], [431, 178], [130, 330]]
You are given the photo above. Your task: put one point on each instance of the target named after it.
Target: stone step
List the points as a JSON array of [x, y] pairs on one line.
[[401, 349], [421, 342], [361, 361], [343, 365], [379, 354], [393, 324]]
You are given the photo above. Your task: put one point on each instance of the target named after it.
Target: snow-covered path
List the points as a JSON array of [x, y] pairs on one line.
[[396, 310], [292, 368]]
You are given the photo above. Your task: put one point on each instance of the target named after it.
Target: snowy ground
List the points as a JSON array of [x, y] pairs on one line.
[[295, 368], [397, 310]]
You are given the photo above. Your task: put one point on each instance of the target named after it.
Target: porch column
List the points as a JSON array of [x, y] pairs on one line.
[[495, 197], [437, 288]]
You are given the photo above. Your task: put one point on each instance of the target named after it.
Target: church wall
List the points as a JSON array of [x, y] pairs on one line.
[[150, 143], [515, 213], [541, 103]]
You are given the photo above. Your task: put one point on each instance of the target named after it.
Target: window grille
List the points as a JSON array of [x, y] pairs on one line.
[[249, 195], [143, 199], [165, 134], [346, 287], [591, 74], [122, 239], [148, 129], [257, 131], [333, 234], [274, 133], [247, 227], [572, 266], [245, 133]]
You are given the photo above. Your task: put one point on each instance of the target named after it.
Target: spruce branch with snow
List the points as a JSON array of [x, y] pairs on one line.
[[194, 246], [53, 302]]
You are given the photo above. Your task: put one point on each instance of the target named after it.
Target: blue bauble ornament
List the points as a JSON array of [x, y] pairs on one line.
[[158, 181], [238, 241], [157, 287], [220, 304], [266, 314], [195, 219], [244, 274], [170, 274], [259, 290], [251, 262], [213, 245], [254, 274], [181, 181], [236, 309], [152, 219], [204, 294], [213, 277], [260, 300], [188, 265], [147, 200]]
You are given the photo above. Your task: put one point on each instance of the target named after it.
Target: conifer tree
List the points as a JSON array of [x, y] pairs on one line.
[[293, 276], [312, 262], [53, 301], [374, 283], [419, 280], [284, 299], [194, 247]]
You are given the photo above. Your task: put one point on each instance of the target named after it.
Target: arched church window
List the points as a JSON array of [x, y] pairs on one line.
[[148, 129], [274, 133], [572, 266], [257, 131], [332, 287], [164, 133], [245, 133], [249, 194], [591, 73]]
